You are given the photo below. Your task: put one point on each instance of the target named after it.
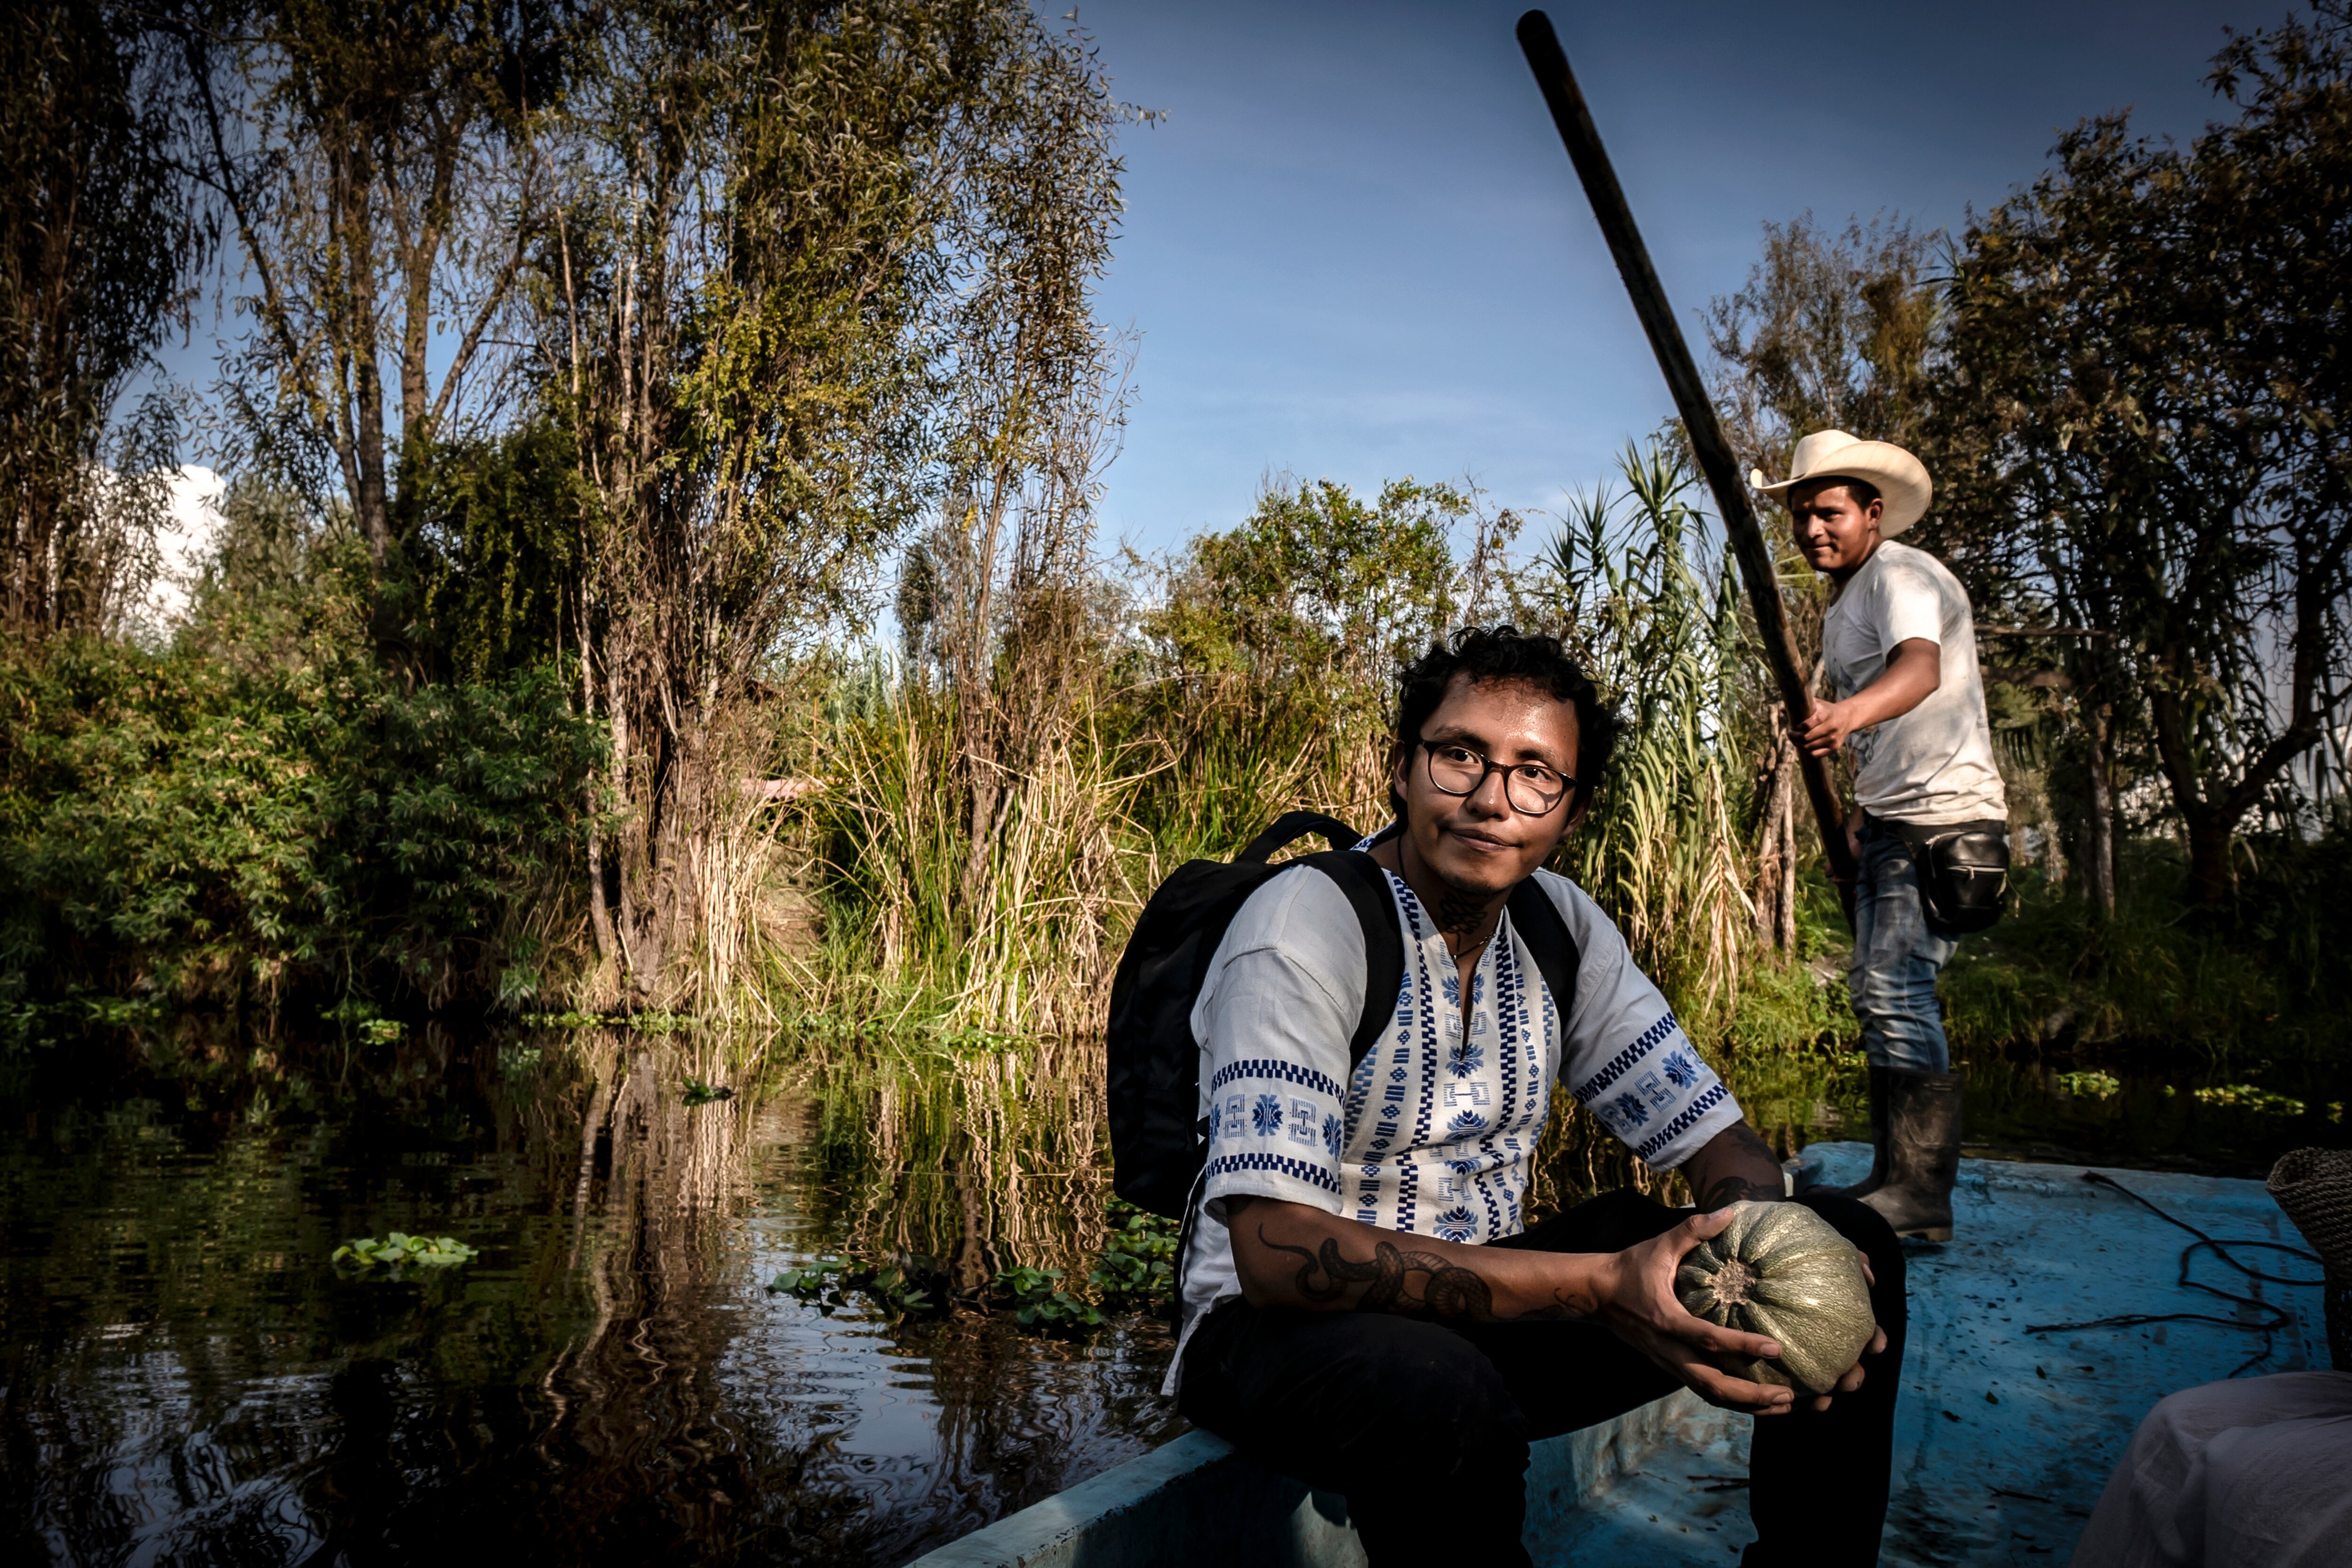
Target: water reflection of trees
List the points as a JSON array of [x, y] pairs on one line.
[[981, 1160], [188, 1383]]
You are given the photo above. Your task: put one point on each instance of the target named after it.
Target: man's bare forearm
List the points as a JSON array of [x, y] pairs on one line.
[[1289, 1255], [1913, 672], [1733, 1166], [1912, 675]]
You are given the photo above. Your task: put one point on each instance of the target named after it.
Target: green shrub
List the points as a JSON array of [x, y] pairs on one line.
[[2264, 974], [208, 830]]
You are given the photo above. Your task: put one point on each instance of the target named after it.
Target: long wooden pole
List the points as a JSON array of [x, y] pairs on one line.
[[1569, 113]]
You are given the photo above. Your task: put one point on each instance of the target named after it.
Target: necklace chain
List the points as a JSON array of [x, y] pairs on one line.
[[1478, 946]]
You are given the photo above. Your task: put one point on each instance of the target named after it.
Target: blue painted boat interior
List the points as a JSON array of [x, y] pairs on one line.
[[2003, 1437]]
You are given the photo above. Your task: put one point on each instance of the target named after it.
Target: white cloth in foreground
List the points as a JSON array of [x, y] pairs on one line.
[[2256, 1473]]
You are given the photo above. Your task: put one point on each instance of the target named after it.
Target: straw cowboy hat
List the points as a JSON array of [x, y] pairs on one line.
[[1900, 478]]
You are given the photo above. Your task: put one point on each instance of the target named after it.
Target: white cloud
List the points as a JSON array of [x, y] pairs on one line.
[[185, 543]]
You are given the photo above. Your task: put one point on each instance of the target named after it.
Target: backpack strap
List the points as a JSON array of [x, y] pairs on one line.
[[1367, 887], [1538, 920], [1295, 824]]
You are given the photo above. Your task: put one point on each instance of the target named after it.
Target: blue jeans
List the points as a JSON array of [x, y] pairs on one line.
[[1897, 957]]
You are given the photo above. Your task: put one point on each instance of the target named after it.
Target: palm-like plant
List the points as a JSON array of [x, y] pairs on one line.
[[1654, 614]]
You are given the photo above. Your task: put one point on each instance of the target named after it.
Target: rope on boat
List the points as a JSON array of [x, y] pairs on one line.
[[2273, 1316]]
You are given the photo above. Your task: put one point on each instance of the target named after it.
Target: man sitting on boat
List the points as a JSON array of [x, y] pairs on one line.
[[1410, 1375]]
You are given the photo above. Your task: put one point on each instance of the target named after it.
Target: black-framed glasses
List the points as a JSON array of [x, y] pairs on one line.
[[1532, 788]]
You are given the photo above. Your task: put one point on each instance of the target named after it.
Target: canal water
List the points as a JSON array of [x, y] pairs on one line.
[[186, 1376]]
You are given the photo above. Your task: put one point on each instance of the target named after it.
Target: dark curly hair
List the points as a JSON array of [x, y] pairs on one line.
[[1498, 656]]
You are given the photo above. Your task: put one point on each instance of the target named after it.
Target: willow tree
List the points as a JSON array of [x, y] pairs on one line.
[[2145, 404], [372, 158], [97, 236], [800, 249]]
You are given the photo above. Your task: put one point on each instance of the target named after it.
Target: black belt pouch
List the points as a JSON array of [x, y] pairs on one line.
[[1963, 870]]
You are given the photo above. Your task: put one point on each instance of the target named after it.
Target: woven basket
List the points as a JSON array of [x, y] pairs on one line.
[[2315, 1187]]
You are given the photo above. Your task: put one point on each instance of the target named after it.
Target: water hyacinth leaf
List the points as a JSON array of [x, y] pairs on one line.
[[2090, 1084], [399, 1248]]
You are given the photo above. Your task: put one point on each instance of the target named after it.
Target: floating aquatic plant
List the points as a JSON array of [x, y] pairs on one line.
[[2088, 1085], [1139, 1261], [808, 1281], [2247, 1097], [651, 1021], [831, 1282], [1039, 1301], [1135, 1272], [400, 1248]]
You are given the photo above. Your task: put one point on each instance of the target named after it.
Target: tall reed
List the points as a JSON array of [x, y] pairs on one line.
[[889, 846], [1202, 716], [1656, 619]]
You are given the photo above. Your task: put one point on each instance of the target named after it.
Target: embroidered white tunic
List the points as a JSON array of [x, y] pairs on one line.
[[1433, 1132]]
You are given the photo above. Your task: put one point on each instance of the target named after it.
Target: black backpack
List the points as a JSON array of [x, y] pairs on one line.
[[1157, 1140]]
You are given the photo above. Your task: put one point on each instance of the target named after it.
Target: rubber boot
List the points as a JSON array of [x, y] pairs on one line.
[[1923, 1153], [1877, 1177]]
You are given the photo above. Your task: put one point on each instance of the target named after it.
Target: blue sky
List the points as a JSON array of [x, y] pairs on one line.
[[1355, 249]]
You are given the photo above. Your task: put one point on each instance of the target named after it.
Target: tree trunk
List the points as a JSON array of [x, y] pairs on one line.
[[2209, 859], [1776, 881], [600, 915], [2100, 871]]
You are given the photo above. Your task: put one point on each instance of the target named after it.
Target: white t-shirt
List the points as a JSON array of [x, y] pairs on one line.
[[1934, 764], [1433, 1132]]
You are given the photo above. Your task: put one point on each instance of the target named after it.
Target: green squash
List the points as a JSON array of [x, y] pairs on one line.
[[1783, 1270]]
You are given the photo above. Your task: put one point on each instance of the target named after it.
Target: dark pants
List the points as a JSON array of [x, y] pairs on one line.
[[1425, 1427]]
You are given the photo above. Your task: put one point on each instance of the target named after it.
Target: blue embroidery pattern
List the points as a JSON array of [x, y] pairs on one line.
[[1281, 1072], [1510, 1029], [1681, 1071], [1614, 1068], [1689, 1117], [1464, 1124], [1457, 1224], [1332, 1132], [1300, 1170], [1469, 1060], [1409, 1177], [1216, 1119], [1265, 1116], [1625, 1112], [1359, 1088]]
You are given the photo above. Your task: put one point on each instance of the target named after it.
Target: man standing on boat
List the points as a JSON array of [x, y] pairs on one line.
[[1364, 1308], [1899, 646]]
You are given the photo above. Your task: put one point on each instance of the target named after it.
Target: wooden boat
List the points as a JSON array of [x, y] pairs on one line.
[[2003, 1441]]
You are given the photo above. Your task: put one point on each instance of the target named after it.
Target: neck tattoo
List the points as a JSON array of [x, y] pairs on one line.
[[1457, 914]]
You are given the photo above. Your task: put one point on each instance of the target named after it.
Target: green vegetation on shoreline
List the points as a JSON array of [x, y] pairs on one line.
[[583, 705]]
